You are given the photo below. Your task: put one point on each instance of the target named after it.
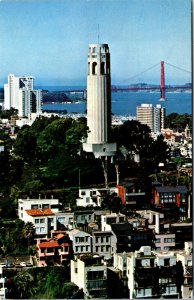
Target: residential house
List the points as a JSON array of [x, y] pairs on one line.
[[65, 220], [164, 238], [174, 199], [93, 197], [132, 197], [151, 274], [104, 243], [56, 250], [121, 229], [44, 220], [89, 273], [40, 203], [185, 257], [81, 241]]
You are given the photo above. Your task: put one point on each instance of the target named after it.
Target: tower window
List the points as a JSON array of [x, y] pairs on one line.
[[88, 68], [94, 68]]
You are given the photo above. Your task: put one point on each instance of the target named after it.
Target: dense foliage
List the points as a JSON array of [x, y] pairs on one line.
[[178, 122], [48, 157], [50, 282]]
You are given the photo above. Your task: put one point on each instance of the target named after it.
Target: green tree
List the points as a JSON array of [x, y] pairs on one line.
[[23, 287], [28, 232]]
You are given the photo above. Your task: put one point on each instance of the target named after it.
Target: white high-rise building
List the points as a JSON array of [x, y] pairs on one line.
[[19, 93], [150, 115], [99, 102]]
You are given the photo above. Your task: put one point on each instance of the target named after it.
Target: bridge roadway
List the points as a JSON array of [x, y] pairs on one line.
[[122, 89]]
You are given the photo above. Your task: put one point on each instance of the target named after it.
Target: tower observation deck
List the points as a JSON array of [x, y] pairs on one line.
[[99, 102]]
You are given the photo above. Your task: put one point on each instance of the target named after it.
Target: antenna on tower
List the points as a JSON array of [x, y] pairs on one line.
[[98, 34]]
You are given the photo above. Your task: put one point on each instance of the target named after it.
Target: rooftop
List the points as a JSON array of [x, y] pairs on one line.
[[39, 212]]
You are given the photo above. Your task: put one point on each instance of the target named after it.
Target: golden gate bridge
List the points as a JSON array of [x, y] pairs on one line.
[[146, 87]]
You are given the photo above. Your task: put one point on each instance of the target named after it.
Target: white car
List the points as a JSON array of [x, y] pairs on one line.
[[23, 264]]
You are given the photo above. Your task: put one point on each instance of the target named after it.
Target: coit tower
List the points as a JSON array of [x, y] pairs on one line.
[[99, 102]]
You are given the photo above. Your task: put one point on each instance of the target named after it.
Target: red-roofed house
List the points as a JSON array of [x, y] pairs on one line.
[[56, 250], [44, 220]]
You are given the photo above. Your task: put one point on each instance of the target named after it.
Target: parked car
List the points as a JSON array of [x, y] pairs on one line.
[[23, 264], [29, 264], [10, 265], [2, 265]]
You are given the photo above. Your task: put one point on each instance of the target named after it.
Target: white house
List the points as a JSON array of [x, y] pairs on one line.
[[113, 218], [89, 273], [93, 197], [81, 241], [44, 220], [40, 203], [104, 243], [151, 273]]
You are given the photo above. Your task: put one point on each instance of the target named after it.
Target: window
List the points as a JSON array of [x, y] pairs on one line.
[[37, 221], [34, 206], [166, 262], [82, 248], [76, 248], [75, 270], [83, 193], [45, 206], [107, 248], [169, 240], [102, 239], [102, 248], [42, 229], [87, 199], [94, 68], [107, 239], [87, 248], [21, 215], [21, 208], [97, 239], [42, 221]]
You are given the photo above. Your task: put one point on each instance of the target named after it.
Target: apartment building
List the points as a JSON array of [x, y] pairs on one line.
[[104, 243], [89, 273], [81, 241], [19, 93], [151, 274], [150, 115]]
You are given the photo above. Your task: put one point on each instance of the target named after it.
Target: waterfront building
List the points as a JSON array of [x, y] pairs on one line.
[[99, 102], [150, 115], [19, 93]]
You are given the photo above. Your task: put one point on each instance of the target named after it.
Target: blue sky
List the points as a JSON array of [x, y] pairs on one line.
[[49, 39]]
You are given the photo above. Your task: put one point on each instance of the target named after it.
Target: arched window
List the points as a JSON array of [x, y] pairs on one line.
[[102, 68], [94, 68]]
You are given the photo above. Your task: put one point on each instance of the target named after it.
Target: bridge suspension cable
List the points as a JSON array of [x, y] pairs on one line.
[[178, 68], [142, 72]]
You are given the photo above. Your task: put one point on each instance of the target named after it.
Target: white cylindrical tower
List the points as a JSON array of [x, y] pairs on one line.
[[99, 102], [98, 94]]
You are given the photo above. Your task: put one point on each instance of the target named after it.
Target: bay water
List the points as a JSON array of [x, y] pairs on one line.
[[125, 102]]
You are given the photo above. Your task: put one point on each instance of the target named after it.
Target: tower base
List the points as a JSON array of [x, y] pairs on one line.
[[99, 150]]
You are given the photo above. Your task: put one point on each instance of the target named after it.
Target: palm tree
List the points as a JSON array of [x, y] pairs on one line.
[[28, 231], [24, 286]]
